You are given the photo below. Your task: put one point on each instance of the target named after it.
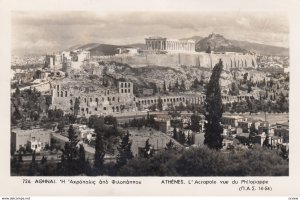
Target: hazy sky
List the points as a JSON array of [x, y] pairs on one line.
[[46, 32]]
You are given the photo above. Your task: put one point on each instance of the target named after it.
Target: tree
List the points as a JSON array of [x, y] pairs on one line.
[[159, 104], [154, 87], [150, 121], [213, 110], [20, 157], [180, 107], [253, 130], [33, 166], [125, 152], [181, 138], [245, 77], [73, 140], [96, 122], [152, 107], [195, 84], [99, 152], [283, 103], [110, 120], [195, 123], [71, 118], [176, 86], [175, 134], [266, 142], [208, 50], [253, 63], [43, 160], [76, 106], [202, 78], [60, 126], [189, 140], [249, 89], [17, 92], [15, 165], [234, 89], [182, 86], [148, 150], [81, 159], [38, 74], [70, 153], [170, 87], [170, 145], [165, 87]]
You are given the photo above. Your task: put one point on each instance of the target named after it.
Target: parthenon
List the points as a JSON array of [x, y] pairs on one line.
[[169, 45]]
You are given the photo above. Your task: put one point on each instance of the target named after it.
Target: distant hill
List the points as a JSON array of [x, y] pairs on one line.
[[98, 49], [218, 43], [104, 50], [262, 48]]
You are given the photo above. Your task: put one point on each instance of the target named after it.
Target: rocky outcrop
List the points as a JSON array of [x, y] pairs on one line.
[[230, 60]]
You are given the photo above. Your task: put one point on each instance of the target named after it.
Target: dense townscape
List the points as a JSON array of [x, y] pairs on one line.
[[167, 109]]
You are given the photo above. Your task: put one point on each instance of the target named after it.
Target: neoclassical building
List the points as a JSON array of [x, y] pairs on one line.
[[161, 44]]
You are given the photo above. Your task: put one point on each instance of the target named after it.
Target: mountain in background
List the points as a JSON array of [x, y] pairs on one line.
[[216, 42], [219, 43], [262, 49], [98, 49]]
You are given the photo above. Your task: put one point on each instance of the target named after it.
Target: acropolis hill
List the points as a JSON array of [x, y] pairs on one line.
[[230, 60], [161, 51]]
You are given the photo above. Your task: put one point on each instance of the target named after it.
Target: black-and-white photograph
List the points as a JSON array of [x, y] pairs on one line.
[[189, 94]]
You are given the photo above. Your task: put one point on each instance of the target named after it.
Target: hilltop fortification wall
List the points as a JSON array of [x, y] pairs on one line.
[[194, 59]]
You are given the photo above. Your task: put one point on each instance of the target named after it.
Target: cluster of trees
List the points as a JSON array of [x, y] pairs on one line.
[[27, 105], [234, 89], [254, 105], [247, 84], [176, 87], [198, 85], [193, 108], [208, 162], [55, 115], [33, 168], [30, 108], [182, 138], [142, 122]]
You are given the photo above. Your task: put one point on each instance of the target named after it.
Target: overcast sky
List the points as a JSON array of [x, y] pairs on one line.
[[46, 32]]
